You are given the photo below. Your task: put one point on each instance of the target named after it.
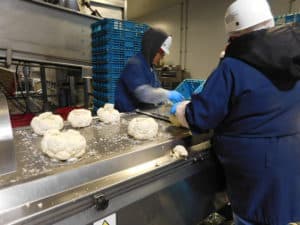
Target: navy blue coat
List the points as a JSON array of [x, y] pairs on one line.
[[257, 140], [137, 72]]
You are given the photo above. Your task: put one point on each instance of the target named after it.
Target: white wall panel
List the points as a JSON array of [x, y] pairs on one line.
[[141, 8], [206, 36], [168, 20], [34, 31], [280, 7]]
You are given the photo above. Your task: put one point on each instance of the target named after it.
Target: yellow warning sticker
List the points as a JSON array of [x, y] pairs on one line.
[[109, 220], [105, 223]]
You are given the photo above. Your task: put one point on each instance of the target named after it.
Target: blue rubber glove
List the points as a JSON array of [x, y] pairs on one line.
[[174, 108], [175, 96]]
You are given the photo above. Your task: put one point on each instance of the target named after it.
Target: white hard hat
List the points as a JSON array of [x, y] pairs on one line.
[[167, 45], [243, 14]]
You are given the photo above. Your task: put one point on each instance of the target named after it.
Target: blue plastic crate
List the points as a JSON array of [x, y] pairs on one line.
[[111, 27], [116, 35], [105, 87], [189, 86], [108, 57], [111, 82], [109, 60], [129, 35], [279, 20], [129, 25], [105, 77], [118, 24], [97, 104], [117, 58], [109, 51], [102, 41], [107, 71], [128, 54], [95, 108], [107, 90], [114, 49], [104, 97], [128, 44], [111, 54], [113, 34], [113, 43], [298, 17], [112, 22], [96, 27], [100, 37], [290, 18], [106, 24], [109, 66]]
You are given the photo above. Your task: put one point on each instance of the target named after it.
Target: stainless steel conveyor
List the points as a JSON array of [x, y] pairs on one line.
[[117, 175]]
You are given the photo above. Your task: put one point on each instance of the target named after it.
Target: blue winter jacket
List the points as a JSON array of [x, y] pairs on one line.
[[257, 138], [137, 72]]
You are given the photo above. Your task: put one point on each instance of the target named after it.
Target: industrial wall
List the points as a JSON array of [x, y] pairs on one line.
[[198, 31], [168, 19]]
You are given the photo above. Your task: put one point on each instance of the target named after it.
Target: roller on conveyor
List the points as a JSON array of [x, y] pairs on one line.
[[136, 182]]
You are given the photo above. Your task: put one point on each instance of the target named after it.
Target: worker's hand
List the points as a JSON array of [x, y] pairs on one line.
[[178, 109], [174, 108], [175, 96]]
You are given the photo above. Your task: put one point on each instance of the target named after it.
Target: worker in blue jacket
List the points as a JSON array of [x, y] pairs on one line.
[[252, 101], [139, 86]]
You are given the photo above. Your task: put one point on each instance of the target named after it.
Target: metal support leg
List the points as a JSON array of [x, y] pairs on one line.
[[26, 72], [8, 57], [87, 89], [44, 89], [8, 162], [72, 90]]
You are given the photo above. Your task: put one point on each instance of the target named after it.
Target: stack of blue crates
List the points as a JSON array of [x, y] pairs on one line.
[[113, 43], [288, 18]]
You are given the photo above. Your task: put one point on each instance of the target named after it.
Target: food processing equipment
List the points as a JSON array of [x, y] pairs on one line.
[[139, 182], [119, 180]]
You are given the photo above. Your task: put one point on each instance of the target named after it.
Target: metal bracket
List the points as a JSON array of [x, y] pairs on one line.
[[100, 201], [86, 72], [8, 57], [8, 162]]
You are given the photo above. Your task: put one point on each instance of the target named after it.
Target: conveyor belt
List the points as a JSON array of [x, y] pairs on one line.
[[103, 142], [114, 164]]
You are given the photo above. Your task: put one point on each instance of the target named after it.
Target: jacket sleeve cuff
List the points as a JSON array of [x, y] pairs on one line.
[[180, 113]]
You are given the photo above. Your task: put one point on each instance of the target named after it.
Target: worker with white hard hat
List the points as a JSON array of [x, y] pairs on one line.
[[139, 86], [252, 101], [245, 16]]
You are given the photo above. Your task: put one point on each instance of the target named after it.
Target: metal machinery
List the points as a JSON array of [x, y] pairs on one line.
[[170, 76], [135, 182], [7, 151], [139, 182], [36, 34]]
